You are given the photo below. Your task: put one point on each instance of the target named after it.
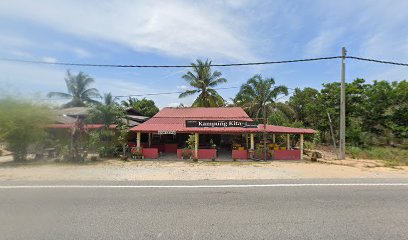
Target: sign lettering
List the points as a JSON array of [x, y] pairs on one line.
[[220, 124]]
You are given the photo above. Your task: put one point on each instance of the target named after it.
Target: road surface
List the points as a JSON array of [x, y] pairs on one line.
[[291, 209]]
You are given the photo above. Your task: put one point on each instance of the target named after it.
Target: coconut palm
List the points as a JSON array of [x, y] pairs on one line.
[[259, 94], [203, 80], [78, 90]]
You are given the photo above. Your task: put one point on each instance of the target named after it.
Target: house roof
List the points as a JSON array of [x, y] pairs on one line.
[[87, 126], [174, 119]]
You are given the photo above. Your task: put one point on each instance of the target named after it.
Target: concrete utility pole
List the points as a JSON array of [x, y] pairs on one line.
[[342, 143]]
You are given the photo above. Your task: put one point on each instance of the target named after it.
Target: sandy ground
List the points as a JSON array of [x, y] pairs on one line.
[[326, 167], [178, 170]]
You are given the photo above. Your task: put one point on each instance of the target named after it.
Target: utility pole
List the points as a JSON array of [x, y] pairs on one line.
[[264, 131], [342, 143]]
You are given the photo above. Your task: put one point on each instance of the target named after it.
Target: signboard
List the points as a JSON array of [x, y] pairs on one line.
[[166, 132], [220, 124]]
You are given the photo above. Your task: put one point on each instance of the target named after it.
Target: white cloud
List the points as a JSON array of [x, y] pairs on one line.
[[49, 59], [82, 53], [322, 43], [182, 87], [176, 28]]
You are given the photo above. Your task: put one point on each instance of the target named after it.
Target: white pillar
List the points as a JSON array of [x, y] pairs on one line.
[[196, 138], [252, 141], [301, 146], [138, 140], [273, 138], [287, 141]]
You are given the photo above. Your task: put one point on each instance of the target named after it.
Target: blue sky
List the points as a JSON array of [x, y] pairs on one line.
[[178, 32]]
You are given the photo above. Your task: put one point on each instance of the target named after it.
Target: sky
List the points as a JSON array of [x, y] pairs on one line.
[[179, 32]]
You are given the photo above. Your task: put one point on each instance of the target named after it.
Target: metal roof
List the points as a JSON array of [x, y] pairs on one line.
[[174, 119]]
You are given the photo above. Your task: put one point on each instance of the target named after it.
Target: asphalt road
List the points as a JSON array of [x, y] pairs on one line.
[[285, 211]]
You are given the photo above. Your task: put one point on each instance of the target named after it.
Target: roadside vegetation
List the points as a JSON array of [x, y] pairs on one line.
[[377, 114], [390, 155]]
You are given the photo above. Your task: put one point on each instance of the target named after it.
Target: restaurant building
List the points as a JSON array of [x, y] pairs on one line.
[[219, 133]]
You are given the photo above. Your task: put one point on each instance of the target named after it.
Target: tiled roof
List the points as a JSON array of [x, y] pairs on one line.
[[174, 119]]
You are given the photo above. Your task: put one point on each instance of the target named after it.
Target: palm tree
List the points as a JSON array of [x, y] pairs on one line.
[[204, 81], [130, 102], [78, 91], [108, 99], [258, 95]]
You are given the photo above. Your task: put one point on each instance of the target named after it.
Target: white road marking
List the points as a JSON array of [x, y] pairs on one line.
[[207, 186]]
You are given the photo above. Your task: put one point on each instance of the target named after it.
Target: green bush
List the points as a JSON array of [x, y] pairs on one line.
[[22, 124]]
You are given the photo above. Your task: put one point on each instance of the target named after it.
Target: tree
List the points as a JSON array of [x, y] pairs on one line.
[[105, 140], [258, 93], [144, 106], [78, 90], [22, 124], [203, 80], [106, 113]]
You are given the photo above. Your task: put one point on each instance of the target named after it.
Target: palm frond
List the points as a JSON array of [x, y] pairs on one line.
[[59, 94], [188, 93]]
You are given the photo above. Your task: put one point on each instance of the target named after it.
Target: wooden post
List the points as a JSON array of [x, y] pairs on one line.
[[150, 139], [301, 146], [246, 140], [287, 141], [196, 140], [273, 138], [138, 140], [252, 141]]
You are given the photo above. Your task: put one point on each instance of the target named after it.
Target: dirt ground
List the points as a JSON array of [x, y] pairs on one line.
[[326, 167]]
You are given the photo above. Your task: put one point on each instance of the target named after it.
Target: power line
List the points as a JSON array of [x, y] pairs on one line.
[[378, 61], [184, 66], [140, 95], [164, 66]]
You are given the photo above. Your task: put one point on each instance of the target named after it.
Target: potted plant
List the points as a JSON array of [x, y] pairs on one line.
[[136, 153], [186, 154]]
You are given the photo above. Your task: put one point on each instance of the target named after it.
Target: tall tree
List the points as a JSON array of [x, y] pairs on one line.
[[258, 93], [203, 80], [78, 90]]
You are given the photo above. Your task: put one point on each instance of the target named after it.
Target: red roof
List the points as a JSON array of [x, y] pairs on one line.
[[87, 126], [174, 119]]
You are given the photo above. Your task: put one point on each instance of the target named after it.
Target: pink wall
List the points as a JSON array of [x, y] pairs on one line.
[[286, 155], [150, 153], [202, 153], [239, 154], [207, 153]]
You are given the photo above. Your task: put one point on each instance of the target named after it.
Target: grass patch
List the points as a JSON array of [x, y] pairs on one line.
[[391, 156]]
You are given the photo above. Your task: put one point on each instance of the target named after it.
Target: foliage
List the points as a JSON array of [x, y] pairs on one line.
[[104, 141], [22, 124], [258, 93], [190, 142], [391, 156], [78, 90], [376, 114], [144, 106], [203, 80]]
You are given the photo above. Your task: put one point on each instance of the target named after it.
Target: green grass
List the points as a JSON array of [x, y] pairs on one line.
[[391, 156]]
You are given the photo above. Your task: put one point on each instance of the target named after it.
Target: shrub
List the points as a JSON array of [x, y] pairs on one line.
[[22, 124]]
